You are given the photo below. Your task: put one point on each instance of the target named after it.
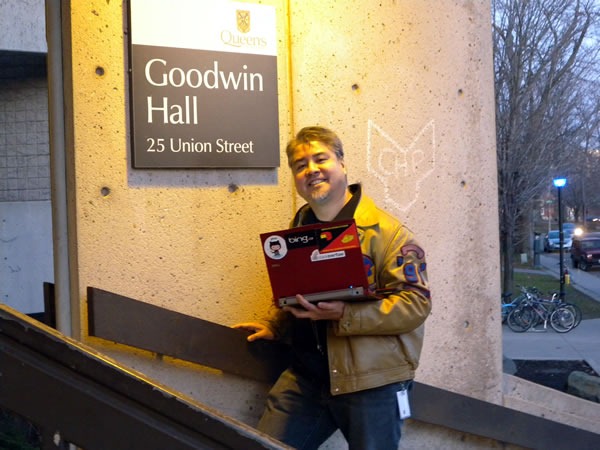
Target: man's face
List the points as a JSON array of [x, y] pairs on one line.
[[319, 175]]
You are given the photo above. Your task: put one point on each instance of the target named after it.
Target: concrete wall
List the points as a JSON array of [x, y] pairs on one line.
[[407, 85], [22, 25], [26, 258], [26, 254]]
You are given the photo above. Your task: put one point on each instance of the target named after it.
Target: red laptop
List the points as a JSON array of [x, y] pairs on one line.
[[320, 261]]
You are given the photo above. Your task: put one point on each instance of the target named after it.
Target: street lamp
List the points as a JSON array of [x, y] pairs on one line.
[[561, 183]]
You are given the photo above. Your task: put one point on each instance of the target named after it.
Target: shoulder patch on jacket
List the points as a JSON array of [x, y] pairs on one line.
[[415, 265]]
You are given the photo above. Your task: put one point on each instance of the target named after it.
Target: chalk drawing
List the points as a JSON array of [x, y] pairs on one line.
[[400, 170]]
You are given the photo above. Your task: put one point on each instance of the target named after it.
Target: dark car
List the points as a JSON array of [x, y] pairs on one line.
[[585, 251]]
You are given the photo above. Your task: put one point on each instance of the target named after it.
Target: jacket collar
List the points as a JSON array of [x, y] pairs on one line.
[[365, 214], [366, 211]]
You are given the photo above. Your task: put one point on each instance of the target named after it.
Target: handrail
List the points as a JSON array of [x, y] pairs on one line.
[[135, 323], [111, 315], [79, 396]]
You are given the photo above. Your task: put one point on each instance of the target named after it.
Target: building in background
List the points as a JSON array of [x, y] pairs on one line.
[[25, 209]]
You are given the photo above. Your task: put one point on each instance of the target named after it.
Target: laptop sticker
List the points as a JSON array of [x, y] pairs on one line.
[[275, 247]]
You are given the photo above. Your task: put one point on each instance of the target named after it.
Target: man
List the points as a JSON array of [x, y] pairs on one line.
[[349, 360]]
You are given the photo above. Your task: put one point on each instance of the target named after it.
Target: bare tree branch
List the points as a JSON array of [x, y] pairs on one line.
[[544, 69]]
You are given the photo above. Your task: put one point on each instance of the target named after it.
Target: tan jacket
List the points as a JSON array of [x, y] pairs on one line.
[[379, 342]]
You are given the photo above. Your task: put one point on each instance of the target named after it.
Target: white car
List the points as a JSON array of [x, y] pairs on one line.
[[552, 240]]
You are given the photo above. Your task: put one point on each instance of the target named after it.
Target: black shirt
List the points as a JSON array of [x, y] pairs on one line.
[[309, 338]]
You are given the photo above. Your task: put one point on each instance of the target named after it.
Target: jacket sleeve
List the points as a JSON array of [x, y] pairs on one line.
[[400, 265], [279, 322]]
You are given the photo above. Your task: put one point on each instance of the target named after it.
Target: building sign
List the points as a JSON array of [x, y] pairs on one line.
[[203, 84]]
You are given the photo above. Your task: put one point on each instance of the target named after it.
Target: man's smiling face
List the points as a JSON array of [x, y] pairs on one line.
[[319, 175]]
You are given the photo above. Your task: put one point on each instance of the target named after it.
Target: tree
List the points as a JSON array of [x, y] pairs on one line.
[[543, 68], [583, 177]]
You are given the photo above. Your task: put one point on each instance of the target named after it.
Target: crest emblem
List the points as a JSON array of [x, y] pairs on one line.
[[243, 20]]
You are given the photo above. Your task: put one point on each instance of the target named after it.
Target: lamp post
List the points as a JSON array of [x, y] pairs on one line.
[[561, 183]]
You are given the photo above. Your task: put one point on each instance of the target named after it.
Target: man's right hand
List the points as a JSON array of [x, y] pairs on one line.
[[260, 331]]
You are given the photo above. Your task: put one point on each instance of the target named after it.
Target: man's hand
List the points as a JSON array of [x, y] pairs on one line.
[[260, 331], [332, 310]]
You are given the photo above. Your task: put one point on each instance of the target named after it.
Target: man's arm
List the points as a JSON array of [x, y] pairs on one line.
[[402, 268], [258, 330], [275, 327], [331, 310]]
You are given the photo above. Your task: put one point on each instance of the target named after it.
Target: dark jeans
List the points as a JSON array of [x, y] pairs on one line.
[[304, 416]]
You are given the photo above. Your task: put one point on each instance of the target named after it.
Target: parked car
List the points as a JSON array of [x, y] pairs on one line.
[[552, 241], [585, 251], [572, 229]]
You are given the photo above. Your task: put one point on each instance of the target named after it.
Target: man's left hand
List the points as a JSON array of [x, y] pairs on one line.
[[331, 310]]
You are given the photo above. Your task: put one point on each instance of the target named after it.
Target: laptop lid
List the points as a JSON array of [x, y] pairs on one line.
[[320, 261]]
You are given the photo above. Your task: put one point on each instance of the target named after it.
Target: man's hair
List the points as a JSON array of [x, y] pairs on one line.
[[319, 134]]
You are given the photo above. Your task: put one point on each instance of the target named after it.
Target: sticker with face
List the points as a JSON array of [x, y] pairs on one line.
[[275, 247]]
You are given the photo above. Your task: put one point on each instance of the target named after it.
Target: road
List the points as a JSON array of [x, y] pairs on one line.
[[586, 282], [551, 261]]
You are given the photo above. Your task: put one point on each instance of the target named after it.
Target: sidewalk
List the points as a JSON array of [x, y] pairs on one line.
[[582, 281], [581, 343]]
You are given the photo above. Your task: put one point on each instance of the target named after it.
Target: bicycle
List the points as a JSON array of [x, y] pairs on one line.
[[508, 304], [532, 310], [556, 301]]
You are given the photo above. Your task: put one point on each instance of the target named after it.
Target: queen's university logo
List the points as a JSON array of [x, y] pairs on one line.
[[243, 20]]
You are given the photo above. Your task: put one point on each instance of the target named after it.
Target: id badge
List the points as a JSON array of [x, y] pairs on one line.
[[403, 404]]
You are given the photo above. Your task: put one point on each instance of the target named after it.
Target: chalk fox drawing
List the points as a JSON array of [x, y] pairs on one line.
[[400, 170]]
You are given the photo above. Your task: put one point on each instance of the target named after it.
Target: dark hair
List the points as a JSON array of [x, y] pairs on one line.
[[319, 134]]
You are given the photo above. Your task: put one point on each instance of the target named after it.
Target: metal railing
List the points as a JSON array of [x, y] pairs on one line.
[[77, 395]]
